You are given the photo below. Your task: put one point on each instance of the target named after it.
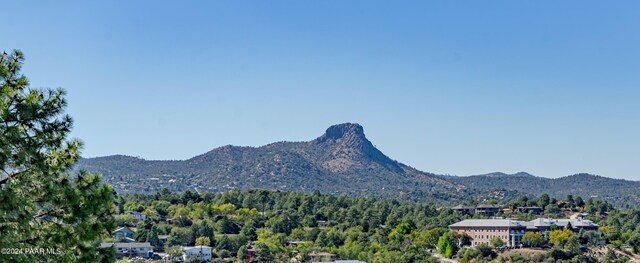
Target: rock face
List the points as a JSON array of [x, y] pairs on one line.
[[342, 161], [351, 150]]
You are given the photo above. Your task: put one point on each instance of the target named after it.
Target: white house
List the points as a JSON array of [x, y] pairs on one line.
[[201, 252], [130, 250]]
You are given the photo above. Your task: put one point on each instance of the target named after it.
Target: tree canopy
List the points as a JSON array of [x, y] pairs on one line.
[[42, 205]]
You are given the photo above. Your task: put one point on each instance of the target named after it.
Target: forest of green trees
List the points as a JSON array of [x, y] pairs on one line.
[[287, 225]]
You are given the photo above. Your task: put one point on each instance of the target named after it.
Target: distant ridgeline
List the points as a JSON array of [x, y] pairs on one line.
[[341, 161], [621, 193]]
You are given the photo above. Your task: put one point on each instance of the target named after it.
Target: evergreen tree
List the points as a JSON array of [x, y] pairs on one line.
[[580, 202], [449, 251], [249, 232], [573, 245], [152, 237], [322, 239], [226, 226], [202, 228], [465, 240], [242, 254], [570, 200], [544, 200], [634, 242], [446, 245], [42, 205], [263, 254], [142, 232], [120, 205], [224, 243]]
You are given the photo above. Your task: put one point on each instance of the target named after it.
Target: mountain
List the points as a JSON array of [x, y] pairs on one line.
[[341, 161], [617, 191], [504, 175], [522, 181]]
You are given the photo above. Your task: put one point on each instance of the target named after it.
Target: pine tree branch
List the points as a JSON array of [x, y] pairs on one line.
[[51, 213], [10, 176]]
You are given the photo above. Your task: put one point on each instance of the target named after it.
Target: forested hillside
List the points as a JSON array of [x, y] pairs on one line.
[[341, 161], [622, 193]]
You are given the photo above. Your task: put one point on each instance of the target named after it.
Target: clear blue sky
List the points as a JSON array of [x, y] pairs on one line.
[[451, 87]]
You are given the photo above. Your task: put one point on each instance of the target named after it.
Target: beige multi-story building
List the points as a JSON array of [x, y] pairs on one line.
[[482, 231]]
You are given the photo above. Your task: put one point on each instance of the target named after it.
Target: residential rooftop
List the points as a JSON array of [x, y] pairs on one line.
[[547, 222], [129, 245], [123, 228], [488, 223], [540, 222], [196, 247]]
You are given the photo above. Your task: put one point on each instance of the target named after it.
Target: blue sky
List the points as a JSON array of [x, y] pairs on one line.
[[451, 87]]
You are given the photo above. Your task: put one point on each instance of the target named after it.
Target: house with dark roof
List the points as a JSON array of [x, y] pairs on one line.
[[464, 210], [123, 234], [488, 210]]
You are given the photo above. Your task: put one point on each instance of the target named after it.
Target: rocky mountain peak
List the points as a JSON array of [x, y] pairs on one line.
[[344, 130], [347, 148], [351, 133]]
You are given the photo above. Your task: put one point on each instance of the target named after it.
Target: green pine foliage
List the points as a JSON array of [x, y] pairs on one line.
[[43, 205]]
